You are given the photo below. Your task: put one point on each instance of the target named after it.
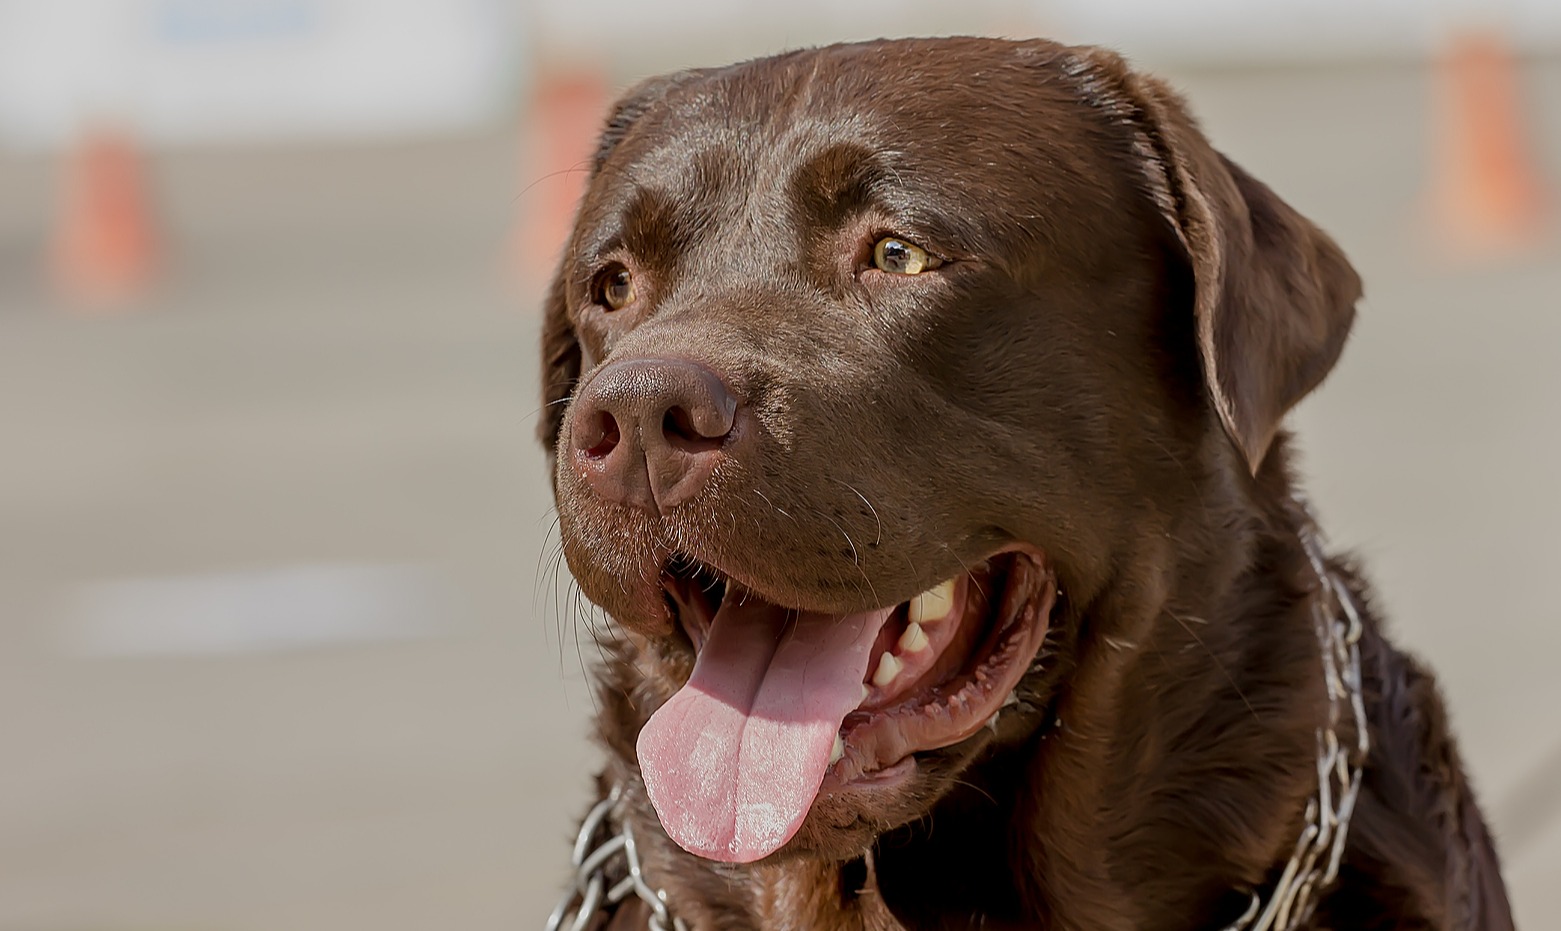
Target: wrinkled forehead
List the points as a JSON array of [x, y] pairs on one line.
[[975, 156], [707, 166]]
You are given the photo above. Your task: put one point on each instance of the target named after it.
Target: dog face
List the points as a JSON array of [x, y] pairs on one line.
[[873, 372]]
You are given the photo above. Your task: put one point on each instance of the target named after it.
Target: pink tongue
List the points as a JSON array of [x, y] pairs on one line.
[[733, 761]]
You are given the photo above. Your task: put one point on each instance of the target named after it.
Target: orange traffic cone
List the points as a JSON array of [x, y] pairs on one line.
[[566, 116], [1487, 194], [105, 248]]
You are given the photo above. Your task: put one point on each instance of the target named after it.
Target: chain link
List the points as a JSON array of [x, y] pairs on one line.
[[1315, 863], [600, 852]]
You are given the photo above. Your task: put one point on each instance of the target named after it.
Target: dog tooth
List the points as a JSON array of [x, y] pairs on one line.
[[932, 604], [865, 692], [838, 751], [1011, 700], [889, 666], [914, 640], [991, 722]]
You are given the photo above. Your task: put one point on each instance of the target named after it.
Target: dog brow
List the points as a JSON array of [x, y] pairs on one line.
[[837, 183]]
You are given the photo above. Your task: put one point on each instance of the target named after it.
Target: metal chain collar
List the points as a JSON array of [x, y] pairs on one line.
[[1310, 870], [596, 855], [1315, 863]]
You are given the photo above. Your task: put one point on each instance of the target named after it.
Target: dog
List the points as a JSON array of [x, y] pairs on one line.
[[914, 413]]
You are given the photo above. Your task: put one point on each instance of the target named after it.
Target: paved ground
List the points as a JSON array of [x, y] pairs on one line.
[[335, 381]]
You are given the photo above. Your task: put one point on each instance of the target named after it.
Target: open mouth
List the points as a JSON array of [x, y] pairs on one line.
[[784, 704]]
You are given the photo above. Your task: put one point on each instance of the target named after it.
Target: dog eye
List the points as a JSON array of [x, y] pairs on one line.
[[898, 257], [614, 288]]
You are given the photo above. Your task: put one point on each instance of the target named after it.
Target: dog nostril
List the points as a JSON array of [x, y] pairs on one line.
[[600, 435], [676, 423], [678, 426]]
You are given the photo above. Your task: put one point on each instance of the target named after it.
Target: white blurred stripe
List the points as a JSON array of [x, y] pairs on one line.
[[181, 71], [271, 610]]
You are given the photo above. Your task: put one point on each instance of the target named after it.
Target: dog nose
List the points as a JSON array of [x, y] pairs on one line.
[[648, 432]]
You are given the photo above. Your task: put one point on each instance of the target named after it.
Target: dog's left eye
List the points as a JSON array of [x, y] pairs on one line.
[[898, 257]]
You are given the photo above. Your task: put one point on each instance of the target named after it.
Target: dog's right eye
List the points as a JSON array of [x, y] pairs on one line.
[[613, 288]]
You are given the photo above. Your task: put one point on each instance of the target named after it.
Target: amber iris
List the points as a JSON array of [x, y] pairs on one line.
[[616, 289], [898, 257]]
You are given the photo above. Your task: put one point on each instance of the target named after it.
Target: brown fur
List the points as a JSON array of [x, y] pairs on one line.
[[1100, 371]]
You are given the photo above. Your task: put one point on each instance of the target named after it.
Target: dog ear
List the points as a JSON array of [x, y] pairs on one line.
[[561, 357], [560, 366], [1274, 296]]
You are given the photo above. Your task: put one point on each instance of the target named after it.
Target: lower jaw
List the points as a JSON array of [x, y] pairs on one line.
[[890, 776]]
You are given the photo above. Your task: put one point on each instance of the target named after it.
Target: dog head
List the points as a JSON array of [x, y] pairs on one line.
[[871, 372]]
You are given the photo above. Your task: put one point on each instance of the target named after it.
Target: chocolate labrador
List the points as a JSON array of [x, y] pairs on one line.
[[915, 415]]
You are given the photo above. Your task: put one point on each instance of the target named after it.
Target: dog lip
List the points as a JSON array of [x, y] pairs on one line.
[[935, 716], [681, 572], [697, 587], [696, 591]]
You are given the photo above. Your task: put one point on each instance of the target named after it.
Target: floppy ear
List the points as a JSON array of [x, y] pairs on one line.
[[560, 348], [1274, 296], [560, 366]]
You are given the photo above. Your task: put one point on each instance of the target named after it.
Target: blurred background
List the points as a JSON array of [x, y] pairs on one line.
[[284, 642]]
